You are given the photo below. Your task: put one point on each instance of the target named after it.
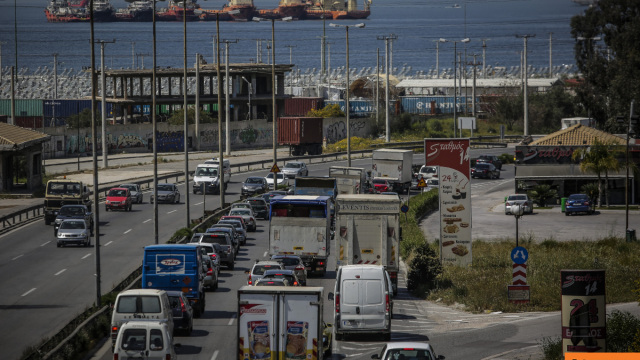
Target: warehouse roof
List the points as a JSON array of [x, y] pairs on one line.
[[17, 138], [578, 135], [486, 83]]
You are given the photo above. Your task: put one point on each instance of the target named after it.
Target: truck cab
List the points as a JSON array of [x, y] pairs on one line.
[[64, 192]]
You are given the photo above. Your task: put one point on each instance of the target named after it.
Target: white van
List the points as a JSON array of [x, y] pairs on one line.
[[140, 304], [207, 177], [362, 301], [226, 166], [145, 339]]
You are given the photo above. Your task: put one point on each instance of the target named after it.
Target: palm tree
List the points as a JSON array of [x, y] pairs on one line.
[[599, 158], [541, 193]]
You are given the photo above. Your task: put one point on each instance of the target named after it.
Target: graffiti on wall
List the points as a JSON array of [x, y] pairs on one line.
[[246, 136], [81, 144], [126, 141], [170, 141], [338, 130]]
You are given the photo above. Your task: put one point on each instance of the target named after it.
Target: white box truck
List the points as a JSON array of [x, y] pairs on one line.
[[301, 225], [349, 180], [281, 322], [368, 232], [395, 166]]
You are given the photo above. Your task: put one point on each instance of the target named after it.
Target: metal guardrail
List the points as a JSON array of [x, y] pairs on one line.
[[21, 217]]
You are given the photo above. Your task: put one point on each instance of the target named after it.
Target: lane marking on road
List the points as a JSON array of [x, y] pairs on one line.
[[59, 272], [201, 202], [18, 257], [172, 211], [215, 355], [107, 244], [146, 221], [29, 292], [45, 243], [233, 317], [126, 232], [265, 254], [86, 256]]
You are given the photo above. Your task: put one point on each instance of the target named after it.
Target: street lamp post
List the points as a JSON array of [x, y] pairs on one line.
[[526, 98], [346, 100], [274, 115], [154, 130], [388, 66], [249, 91], [184, 108], [455, 76]]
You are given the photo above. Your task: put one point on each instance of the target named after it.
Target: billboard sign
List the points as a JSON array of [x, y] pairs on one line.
[[452, 156]]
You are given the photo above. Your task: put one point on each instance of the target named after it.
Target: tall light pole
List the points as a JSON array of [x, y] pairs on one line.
[[455, 90], [226, 96], [274, 115], [103, 104], [184, 108], [346, 100], [525, 85], [249, 91], [484, 61], [154, 137], [220, 153], [387, 65], [632, 120], [133, 55]]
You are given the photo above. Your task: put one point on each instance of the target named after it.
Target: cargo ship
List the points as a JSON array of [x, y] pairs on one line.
[[103, 11], [177, 10], [138, 10], [292, 8], [338, 10], [61, 11], [245, 9]]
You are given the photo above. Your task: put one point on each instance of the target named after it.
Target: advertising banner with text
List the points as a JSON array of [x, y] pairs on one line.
[[452, 158]]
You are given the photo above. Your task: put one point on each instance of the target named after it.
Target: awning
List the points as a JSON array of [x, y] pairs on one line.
[[560, 171]]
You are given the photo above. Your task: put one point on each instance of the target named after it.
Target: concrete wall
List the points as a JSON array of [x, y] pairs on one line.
[[137, 137]]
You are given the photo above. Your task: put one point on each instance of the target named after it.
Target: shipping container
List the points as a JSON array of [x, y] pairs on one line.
[[69, 107], [24, 107], [300, 106], [210, 108], [29, 122], [141, 109], [359, 108], [302, 134], [433, 105]]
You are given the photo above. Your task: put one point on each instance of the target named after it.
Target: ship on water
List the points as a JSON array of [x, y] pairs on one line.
[[338, 10], [137, 10], [242, 10], [177, 9], [296, 9], [62, 11]]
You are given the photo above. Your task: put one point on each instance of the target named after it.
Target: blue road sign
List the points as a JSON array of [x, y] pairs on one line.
[[519, 255], [404, 208]]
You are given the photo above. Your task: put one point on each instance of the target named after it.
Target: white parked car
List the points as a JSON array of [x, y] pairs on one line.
[[407, 350], [518, 199]]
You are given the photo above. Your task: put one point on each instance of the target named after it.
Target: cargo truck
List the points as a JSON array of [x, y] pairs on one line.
[[301, 134], [312, 185], [349, 180], [281, 323], [176, 267], [301, 225], [369, 232], [395, 166], [64, 192]]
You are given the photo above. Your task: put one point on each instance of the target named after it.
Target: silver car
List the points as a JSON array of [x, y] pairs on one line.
[[136, 192], [167, 193], [74, 231], [248, 217], [295, 168]]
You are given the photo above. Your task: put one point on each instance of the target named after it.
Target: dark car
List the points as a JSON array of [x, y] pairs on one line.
[[267, 197], [577, 203], [259, 206], [254, 185], [295, 263], [167, 193], [73, 212], [136, 192], [485, 170], [289, 275], [490, 159], [228, 253], [182, 312]]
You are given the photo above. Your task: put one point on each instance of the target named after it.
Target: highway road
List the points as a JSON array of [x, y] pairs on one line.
[[44, 286]]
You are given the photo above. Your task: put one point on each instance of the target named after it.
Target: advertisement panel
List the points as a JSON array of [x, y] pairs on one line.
[[583, 311], [452, 157]]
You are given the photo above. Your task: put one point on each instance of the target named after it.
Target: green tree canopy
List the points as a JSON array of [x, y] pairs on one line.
[[83, 119], [608, 55], [178, 117]]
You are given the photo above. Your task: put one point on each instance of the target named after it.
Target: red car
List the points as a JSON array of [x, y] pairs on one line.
[[118, 199], [381, 185]]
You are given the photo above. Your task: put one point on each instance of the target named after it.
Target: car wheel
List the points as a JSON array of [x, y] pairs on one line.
[[230, 265], [106, 208], [58, 244], [339, 336], [178, 200], [566, 213]]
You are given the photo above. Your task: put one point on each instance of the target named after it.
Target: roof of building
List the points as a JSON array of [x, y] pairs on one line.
[[17, 138], [578, 135], [481, 83]]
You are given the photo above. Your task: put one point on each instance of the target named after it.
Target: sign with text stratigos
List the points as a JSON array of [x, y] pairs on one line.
[[452, 157]]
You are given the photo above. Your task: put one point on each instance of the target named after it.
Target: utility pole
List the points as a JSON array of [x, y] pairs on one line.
[[484, 60], [328, 43], [437, 59], [526, 100], [473, 92], [226, 97], [387, 39], [378, 88], [550, 56], [55, 85], [103, 103], [259, 50], [1, 42], [290, 53], [133, 55]]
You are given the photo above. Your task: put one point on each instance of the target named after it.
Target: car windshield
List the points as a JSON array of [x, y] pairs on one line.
[[380, 181], [418, 354], [482, 166], [253, 181], [72, 225], [278, 275], [271, 282], [130, 187], [260, 269], [240, 212], [165, 187], [518, 197], [241, 206], [214, 239], [207, 171], [280, 176], [257, 202], [293, 166], [578, 197], [71, 211], [235, 223], [118, 193], [428, 170], [134, 339], [288, 261]]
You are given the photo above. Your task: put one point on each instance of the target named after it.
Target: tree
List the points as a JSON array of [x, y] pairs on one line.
[[546, 109], [329, 111], [611, 72], [83, 119], [591, 189], [599, 158], [178, 117], [541, 193]]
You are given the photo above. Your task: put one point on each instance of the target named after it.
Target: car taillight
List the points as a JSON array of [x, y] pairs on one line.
[[393, 275], [114, 329], [250, 282], [182, 306], [387, 304], [115, 356], [210, 271], [337, 303], [213, 256], [299, 267], [320, 263]]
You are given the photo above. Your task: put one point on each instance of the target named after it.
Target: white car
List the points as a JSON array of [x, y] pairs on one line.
[[295, 168], [518, 199], [73, 231], [281, 179], [407, 350], [247, 215]]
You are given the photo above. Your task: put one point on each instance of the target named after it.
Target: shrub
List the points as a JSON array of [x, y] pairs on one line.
[[551, 348], [622, 330], [541, 194], [425, 268], [329, 111]]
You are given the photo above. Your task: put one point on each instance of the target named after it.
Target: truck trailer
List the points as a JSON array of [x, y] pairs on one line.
[[301, 134], [349, 180], [395, 166], [368, 228]]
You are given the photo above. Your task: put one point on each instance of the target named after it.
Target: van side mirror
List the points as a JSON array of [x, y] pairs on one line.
[[330, 296]]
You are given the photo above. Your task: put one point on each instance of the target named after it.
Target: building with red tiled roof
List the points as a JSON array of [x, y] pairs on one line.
[[16, 142], [549, 160]]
